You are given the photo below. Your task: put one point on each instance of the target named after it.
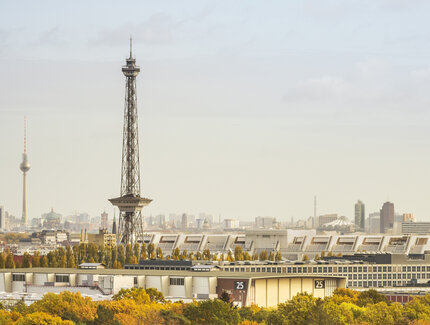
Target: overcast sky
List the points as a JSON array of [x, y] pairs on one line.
[[246, 108]]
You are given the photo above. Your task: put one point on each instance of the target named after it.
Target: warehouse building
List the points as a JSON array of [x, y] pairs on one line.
[[246, 288]]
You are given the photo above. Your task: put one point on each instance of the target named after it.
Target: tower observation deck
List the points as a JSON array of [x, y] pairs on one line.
[[130, 203]]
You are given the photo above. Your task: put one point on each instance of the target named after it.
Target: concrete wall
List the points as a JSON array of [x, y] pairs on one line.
[[153, 281], [122, 282], [271, 292], [40, 278]]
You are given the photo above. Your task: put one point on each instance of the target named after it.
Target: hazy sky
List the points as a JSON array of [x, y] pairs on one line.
[[246, 108]]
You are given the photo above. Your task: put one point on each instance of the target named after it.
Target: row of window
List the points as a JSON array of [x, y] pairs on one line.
[[160, 268], [388, 276], [62, 278], [176, 281], [58, 278], [330, 269], [375, 284]]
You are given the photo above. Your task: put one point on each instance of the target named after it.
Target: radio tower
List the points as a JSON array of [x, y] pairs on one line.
[[25, 167], [130, 203]]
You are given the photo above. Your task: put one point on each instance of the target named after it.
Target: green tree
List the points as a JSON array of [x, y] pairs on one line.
[[183, 255], [9, 264], [121, 255], [159, 253], [52, 259], [139, 295], [371, 297], [44, 261], [211, 312], [105, 316], [114, 255], [151, 251], [300, 310], [36, 259], [272, 256], [238, 253], [136, 249], [71, 262], [206, 254], [143, 252], [155, 295], [2, 261], [247, 256], [263, 255], [128, 253], [175, 254], [26, 260]]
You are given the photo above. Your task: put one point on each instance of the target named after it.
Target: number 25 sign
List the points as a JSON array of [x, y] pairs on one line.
[[319, 284]]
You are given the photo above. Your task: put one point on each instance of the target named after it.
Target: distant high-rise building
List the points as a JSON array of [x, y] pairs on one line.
[[104, 220], [326, 218], [264, 222], [114, 223], [408, 217], [2, 218], [386, 221], [185, 222], [359, 214]]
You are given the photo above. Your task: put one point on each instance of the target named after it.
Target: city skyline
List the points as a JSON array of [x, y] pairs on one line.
[[245, 126]]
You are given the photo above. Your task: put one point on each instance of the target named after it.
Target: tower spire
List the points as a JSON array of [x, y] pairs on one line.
[[131, 47], [25, 134]]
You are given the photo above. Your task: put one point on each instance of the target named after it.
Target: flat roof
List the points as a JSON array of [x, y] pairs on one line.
[[219, 274]]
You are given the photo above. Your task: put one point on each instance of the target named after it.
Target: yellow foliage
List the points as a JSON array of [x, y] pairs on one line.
[[5, 317], [66, 303], [40, 318]]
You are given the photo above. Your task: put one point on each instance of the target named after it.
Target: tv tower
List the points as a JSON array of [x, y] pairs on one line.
[[130, 203], [25, 167]]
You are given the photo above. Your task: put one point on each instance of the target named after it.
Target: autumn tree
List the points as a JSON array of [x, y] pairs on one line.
[[136, 250], [52, 259], [2, 261], [36, 259], [143, 252], [159, 253], [206, 254], [151, 251], [238, 253], [9, 264], [44, 261], [278, 256], [175, 254], [26, 260], [121, 255], [134, 260], [211, 312], [263, 255], [128, 253]]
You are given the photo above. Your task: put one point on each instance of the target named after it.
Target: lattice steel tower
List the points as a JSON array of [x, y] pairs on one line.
[[130, 203]]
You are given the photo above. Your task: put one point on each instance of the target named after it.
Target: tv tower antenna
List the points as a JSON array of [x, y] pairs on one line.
[[130, 203]]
